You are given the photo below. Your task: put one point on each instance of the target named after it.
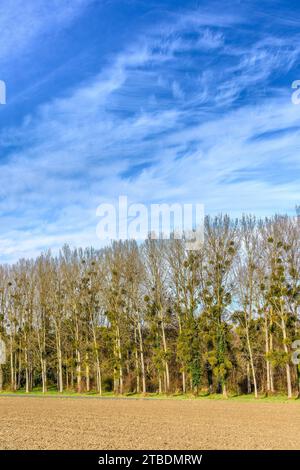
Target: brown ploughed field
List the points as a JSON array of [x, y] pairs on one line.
[[83, 423]]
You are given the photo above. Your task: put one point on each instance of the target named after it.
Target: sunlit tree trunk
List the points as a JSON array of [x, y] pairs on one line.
[[142, 358], [1, 378], [288, 369], [251, 363], [120, 361], [98, 368], [78, 370], [60, 365], [137, 366], [27, 383], [167, 374], [12, 366]]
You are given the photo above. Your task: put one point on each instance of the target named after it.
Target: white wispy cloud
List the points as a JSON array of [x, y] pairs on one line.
[[22, 22], [176, 128]]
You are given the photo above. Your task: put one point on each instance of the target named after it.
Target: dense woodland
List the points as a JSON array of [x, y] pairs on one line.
[[155, 317]]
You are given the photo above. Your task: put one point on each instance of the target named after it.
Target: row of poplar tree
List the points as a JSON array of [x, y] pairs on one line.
[[156, 317]]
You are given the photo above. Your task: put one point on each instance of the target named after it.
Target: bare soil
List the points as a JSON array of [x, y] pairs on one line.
[[66, 423]]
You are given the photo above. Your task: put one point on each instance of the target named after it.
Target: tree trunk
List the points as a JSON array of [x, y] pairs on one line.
[[15, 372], [60, 374], [98, 375], [72, 378], [116, 378], [183, 382], [78, 371], [137, 368], [19, 370], [267, 353], [12, 373], [271, 367], [1, 378], [87, 373], [165, 383], [98, 368], [288, 369], [120, 361], [142, 358], [27, 385], [59, 363], [251, 363], [248, 379], [44, 375], [166, 361], [12, 367]]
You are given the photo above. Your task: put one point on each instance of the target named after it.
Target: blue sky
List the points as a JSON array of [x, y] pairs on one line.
[[163, 101]]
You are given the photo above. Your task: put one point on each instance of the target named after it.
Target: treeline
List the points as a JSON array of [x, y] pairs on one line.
[[156, 317]]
